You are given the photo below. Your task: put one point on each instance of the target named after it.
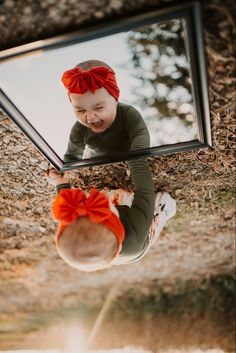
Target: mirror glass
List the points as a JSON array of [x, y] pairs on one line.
[[152, 69]]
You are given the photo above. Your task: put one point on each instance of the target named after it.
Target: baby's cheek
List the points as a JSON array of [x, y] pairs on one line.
[[79, 118], [108, 115], [102, 116], [82, 121]]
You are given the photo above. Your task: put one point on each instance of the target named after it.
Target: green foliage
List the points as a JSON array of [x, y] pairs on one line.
[[160, 62], [215, 296]]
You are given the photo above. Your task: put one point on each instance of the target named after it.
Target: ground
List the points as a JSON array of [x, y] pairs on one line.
[[195, 250]]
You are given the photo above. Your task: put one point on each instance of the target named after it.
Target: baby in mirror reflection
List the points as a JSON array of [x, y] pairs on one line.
[[104, 125], [101, 228]]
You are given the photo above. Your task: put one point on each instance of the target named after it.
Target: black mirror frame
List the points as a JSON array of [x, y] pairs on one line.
[[191, 13]]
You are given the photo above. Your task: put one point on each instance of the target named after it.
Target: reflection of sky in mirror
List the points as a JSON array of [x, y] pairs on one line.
[[33, 83]]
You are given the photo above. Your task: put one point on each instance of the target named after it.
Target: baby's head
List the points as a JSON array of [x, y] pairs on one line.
[[87, 246], [93, 93], [90, 234]]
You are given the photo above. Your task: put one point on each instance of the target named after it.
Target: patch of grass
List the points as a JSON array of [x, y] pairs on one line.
[[220, 204], [225, 199], [214, 295], [20, 326]]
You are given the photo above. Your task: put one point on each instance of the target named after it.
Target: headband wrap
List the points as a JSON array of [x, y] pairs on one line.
[[80, 81], [71, 204]]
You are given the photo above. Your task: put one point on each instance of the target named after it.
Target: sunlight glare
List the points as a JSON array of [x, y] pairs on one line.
[[75, 340]]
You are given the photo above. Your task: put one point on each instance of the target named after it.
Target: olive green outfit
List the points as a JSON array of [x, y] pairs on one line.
[[128, 132], [136, 219]]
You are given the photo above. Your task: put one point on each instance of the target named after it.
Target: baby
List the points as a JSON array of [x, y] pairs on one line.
[[99, 229], [104, 125]]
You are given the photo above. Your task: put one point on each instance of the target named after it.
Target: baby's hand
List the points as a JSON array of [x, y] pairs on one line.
[[55, 178]]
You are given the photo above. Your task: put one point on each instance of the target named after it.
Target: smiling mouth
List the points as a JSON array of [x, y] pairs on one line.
[[98, 124]]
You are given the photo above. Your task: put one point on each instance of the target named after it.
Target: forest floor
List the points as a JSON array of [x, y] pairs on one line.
[[198, 243]]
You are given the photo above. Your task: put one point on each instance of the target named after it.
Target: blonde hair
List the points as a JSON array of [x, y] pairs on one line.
[[89, 64], [87, 246]]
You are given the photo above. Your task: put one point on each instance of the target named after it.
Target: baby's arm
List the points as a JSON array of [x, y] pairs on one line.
[[142, 208], [136, 129], [139, 217], [76, 145]]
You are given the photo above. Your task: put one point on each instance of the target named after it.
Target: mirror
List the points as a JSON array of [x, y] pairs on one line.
[[159, 65]]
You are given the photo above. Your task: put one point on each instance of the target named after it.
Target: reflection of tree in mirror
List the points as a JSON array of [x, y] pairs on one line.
[[160, 62]]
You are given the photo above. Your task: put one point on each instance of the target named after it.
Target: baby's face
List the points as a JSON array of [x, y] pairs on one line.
[[95, 110]]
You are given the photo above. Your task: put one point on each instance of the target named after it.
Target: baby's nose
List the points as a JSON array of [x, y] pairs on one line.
[[92, 118]]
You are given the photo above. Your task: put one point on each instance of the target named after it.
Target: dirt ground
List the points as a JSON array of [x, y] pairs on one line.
[[197, 245]]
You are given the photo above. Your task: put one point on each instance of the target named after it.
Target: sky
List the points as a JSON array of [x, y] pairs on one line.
[[33, 82]]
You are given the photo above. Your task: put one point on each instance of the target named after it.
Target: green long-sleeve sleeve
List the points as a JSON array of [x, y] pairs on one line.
[[138, 218], [60, 187]]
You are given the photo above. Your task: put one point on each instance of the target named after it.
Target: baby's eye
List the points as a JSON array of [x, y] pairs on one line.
[[80, 111], [99, 108]]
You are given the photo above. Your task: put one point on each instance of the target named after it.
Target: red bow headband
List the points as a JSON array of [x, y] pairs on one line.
[[80, 81], [71, 204]]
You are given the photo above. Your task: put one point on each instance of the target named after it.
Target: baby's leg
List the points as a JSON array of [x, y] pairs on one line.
[[165, 208]]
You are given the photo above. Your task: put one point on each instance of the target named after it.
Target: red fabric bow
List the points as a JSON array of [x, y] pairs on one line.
[[73, 203], [80, 81]]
